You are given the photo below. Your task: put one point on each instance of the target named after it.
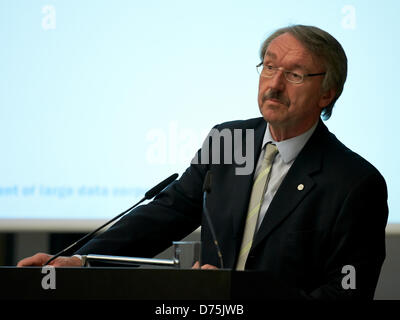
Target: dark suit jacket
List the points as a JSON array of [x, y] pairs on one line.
[[306, 237]]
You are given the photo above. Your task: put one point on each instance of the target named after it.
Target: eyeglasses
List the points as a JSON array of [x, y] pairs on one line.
[[293, 77]]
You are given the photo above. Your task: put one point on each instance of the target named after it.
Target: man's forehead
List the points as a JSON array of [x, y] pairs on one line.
[[287, 47], [286, 43]]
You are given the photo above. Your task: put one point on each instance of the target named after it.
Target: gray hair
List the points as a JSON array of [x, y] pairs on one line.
[[323, 46]]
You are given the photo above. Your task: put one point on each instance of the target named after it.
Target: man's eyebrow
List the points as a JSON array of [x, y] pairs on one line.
[[270, 54], [299, 66], [292, 67]]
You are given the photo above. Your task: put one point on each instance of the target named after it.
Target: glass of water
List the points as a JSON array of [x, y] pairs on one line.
[[187, 253]]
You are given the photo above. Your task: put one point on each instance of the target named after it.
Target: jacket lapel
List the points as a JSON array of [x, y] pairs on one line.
[[297, 184]]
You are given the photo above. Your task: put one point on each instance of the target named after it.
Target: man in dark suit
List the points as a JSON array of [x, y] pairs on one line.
[[310, 213]]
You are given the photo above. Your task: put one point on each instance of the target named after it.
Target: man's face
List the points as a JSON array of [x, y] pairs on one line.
[[285, 105]]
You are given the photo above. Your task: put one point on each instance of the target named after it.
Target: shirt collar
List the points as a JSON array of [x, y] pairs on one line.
[[290, 148]]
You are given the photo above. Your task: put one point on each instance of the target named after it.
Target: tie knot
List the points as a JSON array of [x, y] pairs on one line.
[[270, 153]]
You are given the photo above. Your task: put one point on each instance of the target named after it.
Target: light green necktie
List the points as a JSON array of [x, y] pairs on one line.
[[257, 194]]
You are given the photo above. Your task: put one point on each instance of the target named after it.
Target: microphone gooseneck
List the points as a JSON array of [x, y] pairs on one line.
[[158, 188], [148, 195], [206, 190]]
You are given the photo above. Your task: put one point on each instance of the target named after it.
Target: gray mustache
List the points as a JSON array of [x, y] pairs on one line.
[[278, 95]]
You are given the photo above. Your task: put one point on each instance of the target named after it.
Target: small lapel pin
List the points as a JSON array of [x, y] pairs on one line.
[[300, 187]]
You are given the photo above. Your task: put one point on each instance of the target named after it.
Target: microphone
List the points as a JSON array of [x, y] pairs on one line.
[[206, 190], [147, 196]]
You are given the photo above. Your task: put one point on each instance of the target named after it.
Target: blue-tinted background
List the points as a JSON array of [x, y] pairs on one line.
[[99, 100]]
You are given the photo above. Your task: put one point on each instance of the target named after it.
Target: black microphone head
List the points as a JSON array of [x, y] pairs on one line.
[[158, 188], [207, 182]]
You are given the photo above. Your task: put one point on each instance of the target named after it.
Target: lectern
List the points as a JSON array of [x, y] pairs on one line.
[[124, 283]]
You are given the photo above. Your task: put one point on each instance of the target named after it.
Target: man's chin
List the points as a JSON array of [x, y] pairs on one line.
[[271, 114]]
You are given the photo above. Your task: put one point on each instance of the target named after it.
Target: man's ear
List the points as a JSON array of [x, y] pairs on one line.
[[326, 98]]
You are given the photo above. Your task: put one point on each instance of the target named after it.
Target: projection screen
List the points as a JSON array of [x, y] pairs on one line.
[[100, 100]]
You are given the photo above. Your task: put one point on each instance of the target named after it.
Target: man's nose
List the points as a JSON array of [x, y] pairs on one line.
[[278, 80]]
